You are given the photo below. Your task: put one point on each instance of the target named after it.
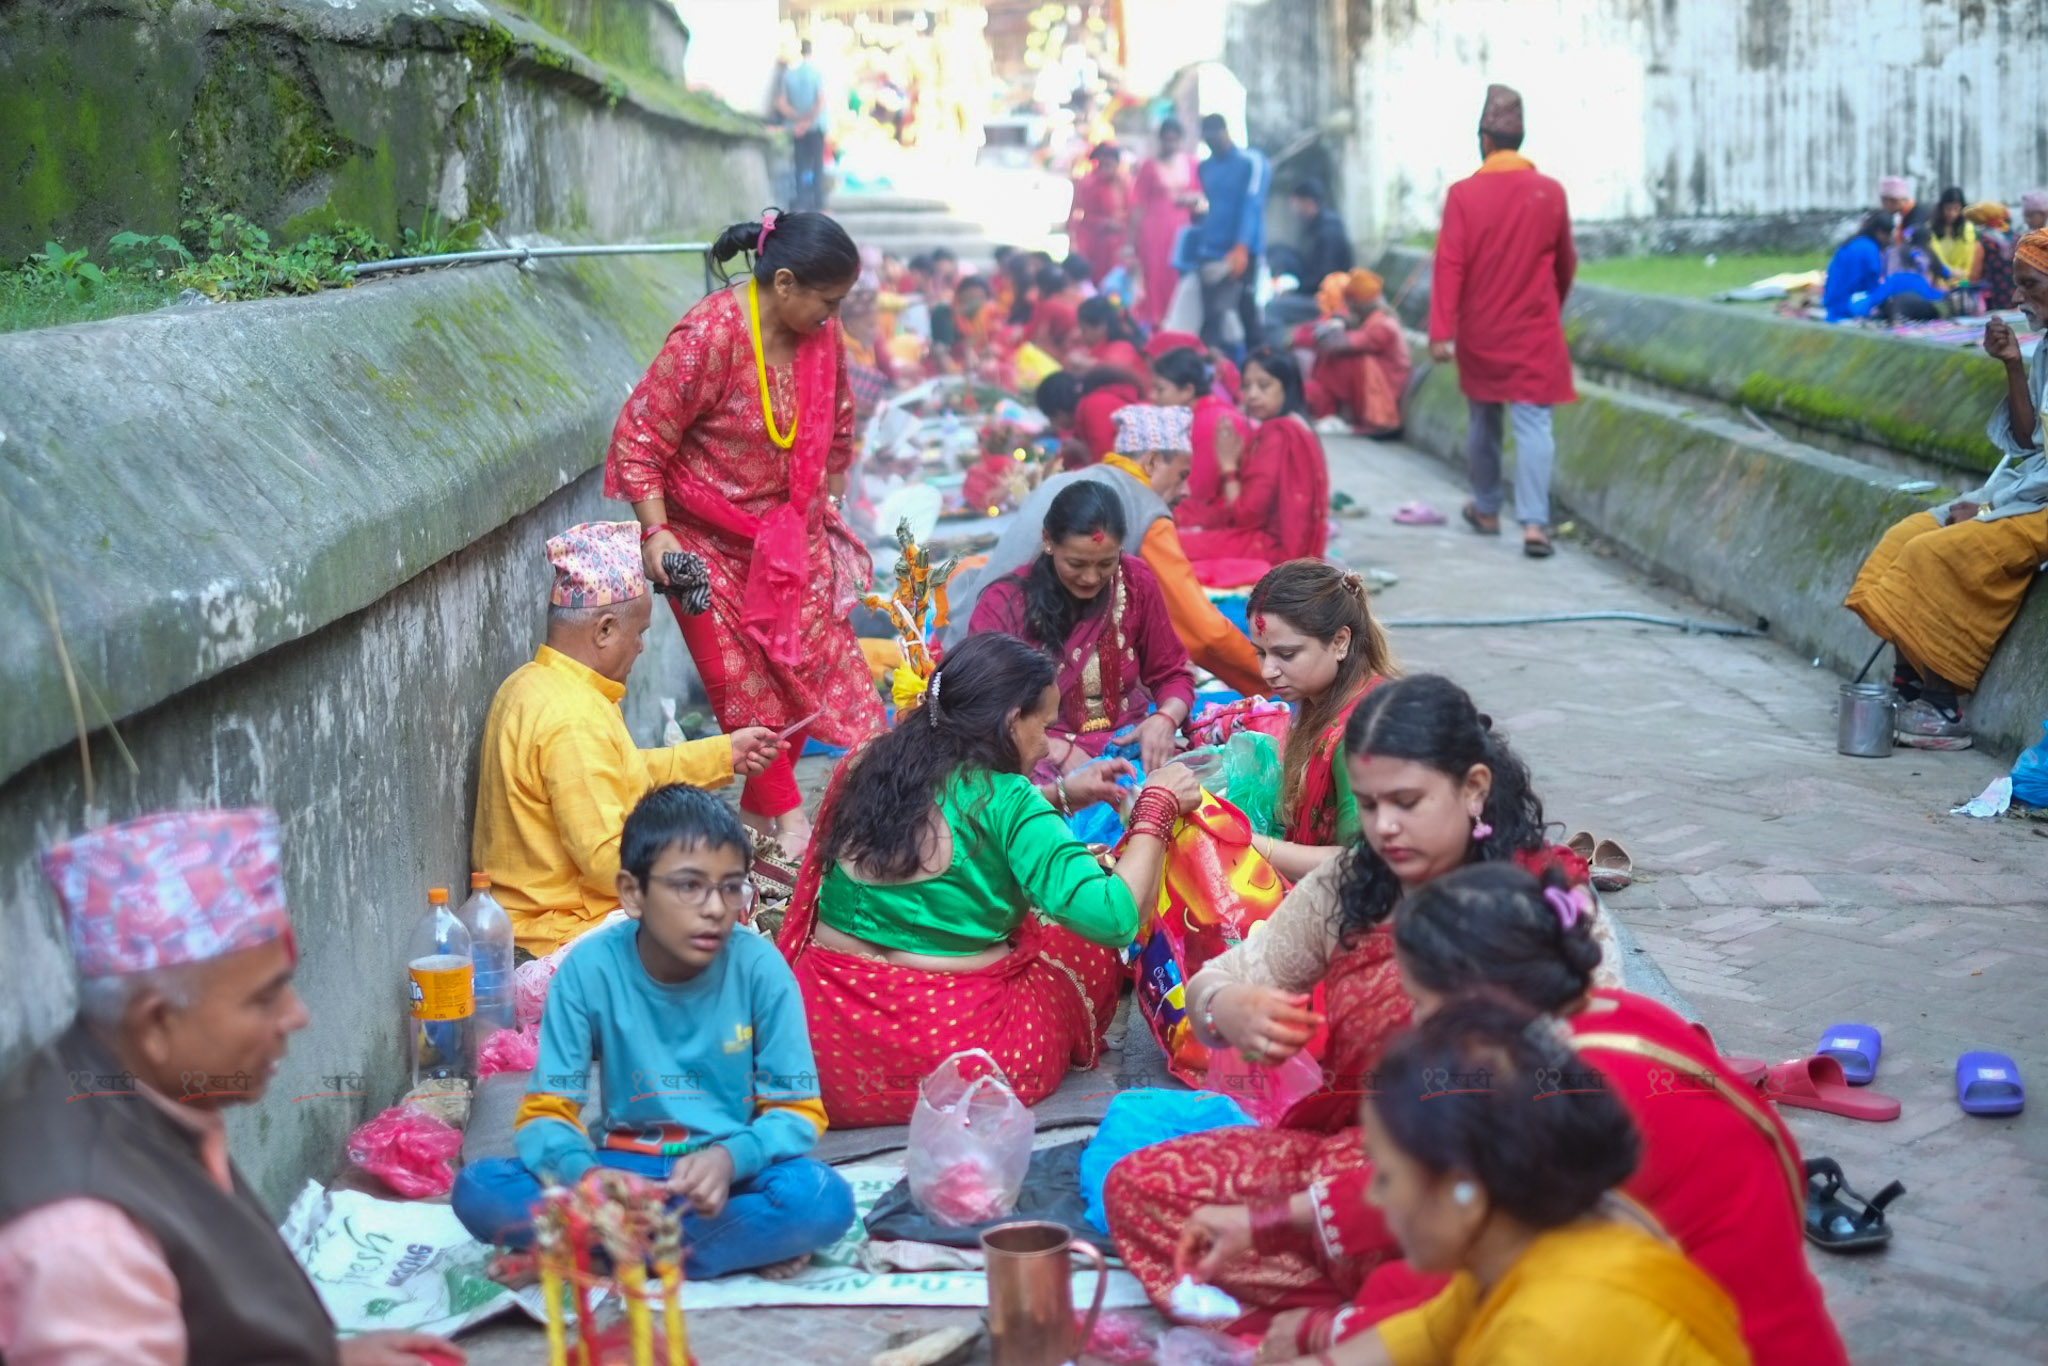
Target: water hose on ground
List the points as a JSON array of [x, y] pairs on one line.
[[1685, 624]]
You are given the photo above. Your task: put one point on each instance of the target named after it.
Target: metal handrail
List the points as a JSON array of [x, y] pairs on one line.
[[521, 255]]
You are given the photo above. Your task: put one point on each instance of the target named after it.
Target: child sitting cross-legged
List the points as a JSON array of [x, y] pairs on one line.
[[708, 1084]]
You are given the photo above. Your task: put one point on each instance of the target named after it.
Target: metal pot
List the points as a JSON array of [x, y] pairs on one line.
[[1866, 720]]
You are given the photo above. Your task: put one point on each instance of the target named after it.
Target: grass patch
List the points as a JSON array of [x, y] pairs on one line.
[[28, 301], [1691, 277], [221, 255]]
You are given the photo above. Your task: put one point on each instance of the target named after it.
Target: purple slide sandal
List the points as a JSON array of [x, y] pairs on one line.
[[1857, 1047], [1989, 1084]]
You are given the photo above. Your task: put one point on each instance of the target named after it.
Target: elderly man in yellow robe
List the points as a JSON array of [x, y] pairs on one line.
[[559, 770]]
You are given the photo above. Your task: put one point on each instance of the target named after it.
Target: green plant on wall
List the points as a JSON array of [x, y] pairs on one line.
[[68, 272]]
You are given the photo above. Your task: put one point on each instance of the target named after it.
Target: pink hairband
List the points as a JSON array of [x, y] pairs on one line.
[[1569, 905], [767, 226]]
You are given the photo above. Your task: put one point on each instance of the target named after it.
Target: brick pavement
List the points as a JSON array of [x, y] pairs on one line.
[[1781, 887]]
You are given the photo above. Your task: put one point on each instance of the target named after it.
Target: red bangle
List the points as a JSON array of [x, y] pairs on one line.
[[1312, 1334], [648, 533], [1273, 1230]]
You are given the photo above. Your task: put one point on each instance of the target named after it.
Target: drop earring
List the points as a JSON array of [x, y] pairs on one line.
[[1480, 829]]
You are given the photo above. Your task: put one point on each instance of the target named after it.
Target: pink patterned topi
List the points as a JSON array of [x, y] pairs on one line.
[[597, 564], [1894, 187], [176, 887], [1141, 427]]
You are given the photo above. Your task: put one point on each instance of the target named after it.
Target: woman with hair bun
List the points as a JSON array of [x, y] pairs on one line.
[[735, 447], [1277, 1216], [1719, 1169], [1490, 1167]]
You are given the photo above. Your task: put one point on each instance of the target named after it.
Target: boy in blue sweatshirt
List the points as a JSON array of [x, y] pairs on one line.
[[708, 1083]]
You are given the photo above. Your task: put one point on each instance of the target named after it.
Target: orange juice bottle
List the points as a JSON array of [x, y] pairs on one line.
[[441, 990]]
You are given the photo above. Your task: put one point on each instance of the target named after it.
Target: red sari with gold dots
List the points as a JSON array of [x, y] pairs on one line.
[[693, 433]]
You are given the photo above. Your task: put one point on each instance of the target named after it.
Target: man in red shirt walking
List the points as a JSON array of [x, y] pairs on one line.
[[1504, 263]]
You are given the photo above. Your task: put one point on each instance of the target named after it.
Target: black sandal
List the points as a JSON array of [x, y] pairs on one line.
[[1839, 1219]]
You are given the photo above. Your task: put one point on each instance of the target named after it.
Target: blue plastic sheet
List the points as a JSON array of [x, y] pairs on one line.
[[2030, 774], [1139, 1119]]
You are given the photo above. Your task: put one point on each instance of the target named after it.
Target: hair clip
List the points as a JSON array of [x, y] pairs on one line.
[[767, 226], [931, 699], [1569, 904]]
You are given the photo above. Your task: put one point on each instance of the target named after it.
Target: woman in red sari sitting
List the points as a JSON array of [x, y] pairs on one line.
[[1185, 378], [1104, 336], [1719, 1169], [1436, 790], [732, 447], [1362, 363], [1321, 652], [912, 934], [1274, 503], [1099, 613]]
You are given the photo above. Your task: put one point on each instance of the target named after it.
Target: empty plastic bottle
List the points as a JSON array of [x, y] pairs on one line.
[[490, 935]]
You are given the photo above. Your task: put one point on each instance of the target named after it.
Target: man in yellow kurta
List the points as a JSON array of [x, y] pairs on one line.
[[559, 770]]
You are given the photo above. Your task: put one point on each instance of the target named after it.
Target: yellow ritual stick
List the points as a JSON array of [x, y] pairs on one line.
[[672, 1315], [633, 1286], [551, 1296]]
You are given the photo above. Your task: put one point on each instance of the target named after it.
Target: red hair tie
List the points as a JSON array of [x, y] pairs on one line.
[[767, 226]]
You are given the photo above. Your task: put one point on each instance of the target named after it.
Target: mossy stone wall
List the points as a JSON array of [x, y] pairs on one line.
[[128, 115], [1755, 525], [1928, 403]]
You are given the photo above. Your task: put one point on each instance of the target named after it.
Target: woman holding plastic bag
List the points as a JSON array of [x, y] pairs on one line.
[[1277, 1217], [912, 931]]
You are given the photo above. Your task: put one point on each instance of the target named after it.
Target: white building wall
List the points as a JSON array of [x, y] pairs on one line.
[[733, 46], [1700, 107]]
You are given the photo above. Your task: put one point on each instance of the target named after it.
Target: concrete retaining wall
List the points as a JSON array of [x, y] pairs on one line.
[[1862, 393], [294, 547], [1753, 524]]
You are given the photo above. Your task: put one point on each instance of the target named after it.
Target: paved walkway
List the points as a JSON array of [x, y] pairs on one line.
[[1781, 888]]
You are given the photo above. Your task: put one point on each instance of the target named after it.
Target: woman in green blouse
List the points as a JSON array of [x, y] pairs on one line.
[[945, 905]]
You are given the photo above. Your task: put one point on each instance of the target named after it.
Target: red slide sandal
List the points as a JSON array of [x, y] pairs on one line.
[[1817, 1083]]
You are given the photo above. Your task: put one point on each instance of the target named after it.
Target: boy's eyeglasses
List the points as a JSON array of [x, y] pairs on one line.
[[695, 893]]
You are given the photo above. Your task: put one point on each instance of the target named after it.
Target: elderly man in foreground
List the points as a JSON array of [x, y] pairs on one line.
[[126, 1234], [560, 771]]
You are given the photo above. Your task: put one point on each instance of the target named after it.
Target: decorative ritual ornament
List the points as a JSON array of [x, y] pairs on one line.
[[761, 373], [629, 1221], [920, 591]]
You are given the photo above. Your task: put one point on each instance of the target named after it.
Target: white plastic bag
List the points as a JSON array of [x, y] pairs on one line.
[[970, 1142]]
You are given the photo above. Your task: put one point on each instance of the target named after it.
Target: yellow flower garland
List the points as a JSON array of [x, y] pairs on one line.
[[761, 372]]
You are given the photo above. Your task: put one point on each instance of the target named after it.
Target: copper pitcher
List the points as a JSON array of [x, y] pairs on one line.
[[1031, 1293]]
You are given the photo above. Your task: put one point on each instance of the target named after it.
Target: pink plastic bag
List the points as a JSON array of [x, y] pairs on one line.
[[408, 1150], [509, 1050], [1266, 1093], [530, 983], [970, 1142]]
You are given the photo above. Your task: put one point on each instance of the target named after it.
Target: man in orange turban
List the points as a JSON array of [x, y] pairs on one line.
[[1361, 358]]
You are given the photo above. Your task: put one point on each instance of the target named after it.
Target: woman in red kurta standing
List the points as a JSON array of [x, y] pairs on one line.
[[733, 447], [1164, 196], [1273, 504], [1099, 224]]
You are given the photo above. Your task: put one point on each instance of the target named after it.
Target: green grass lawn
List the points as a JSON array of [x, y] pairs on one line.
[[1690, 276]]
